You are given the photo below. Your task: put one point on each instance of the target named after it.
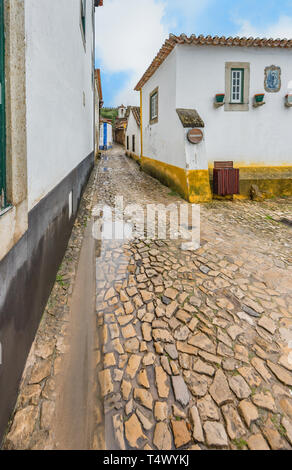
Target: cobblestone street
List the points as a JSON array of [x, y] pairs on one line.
[[193, 349]]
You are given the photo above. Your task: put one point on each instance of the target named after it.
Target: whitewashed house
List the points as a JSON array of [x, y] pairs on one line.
[[122, 110], [98, 106], [236, 96], [105, 134], [46, 156], [120, 125], [133, 134]]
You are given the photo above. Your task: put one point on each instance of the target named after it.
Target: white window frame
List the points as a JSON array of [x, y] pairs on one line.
[[237, 86], [154, 100], [242, 105], [154, 106]]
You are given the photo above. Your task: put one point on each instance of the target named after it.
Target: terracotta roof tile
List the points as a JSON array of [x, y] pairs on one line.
[[108, 121], [201, 40], [120, 123], [136, 114]]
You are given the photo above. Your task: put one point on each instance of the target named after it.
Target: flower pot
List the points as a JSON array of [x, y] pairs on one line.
[[288, 100], [259, 98], [220, 97]]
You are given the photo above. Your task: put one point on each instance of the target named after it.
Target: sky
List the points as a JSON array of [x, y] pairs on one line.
[[129, 33]]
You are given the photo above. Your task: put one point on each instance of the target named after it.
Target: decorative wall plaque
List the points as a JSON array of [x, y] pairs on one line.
[[195, 136], [272, 79]]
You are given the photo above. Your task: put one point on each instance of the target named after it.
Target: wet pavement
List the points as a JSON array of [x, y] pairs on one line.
[[192, 349]]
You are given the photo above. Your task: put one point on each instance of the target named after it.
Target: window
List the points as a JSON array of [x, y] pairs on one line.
[[133, 143], [2, 114], [83, 18], [237, 86], [154, 106], [127, 142], [237, 81]]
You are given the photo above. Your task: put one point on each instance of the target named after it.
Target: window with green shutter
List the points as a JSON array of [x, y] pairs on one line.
[[83, 17], [2, 112], [237, 85]]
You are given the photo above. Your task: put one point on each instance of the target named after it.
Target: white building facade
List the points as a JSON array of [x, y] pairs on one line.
[[236, 92], [133, 134], [98, 106], [47, 154], [105, 135], [122, 111]]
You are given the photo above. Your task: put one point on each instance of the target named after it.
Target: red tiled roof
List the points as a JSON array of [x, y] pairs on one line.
[[108, 121], [120, 123], [201, 40], [136, 113]]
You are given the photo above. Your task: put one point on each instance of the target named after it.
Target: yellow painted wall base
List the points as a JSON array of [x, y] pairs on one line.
[[272, 181], [193, 185], [133, 155], [196, 185], [169, 175], [199, 186]]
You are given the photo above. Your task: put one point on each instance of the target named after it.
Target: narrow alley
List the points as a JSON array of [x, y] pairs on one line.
[[145, 346]]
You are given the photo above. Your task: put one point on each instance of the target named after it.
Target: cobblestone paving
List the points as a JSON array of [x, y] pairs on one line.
[[35, 416], [195, 345], [195, 348]]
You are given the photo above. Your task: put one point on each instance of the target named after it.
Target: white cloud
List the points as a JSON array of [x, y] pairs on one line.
[[282, 28], [127, 95], [129, 33], [185, 14]]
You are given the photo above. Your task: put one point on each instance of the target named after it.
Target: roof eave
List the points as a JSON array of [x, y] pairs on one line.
[[201, 40]]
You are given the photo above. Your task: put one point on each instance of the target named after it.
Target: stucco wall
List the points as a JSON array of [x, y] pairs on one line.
[[109, 139], [164, 140], [14, 222], [51, 132], [133, 129], [259, 136], [60, 92], [96, 116]]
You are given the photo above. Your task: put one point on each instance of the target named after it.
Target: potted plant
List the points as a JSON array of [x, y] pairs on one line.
[[220, 97], [259, 98], [288, 99]]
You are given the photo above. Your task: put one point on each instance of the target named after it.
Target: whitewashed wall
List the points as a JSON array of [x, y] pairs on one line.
[[163, 141], [133, 129], [60, 92], [97, 118], [109, 141], [121, 112], [261, 135]]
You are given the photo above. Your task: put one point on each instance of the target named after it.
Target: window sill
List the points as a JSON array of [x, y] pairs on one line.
[[154, 121], [236, 107], [4, 211]]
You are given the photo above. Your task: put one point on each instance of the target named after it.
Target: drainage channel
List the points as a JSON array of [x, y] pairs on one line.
[[286, 222]]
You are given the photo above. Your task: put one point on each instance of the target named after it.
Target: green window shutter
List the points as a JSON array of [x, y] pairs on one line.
[[2, 112], [83, 16]]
